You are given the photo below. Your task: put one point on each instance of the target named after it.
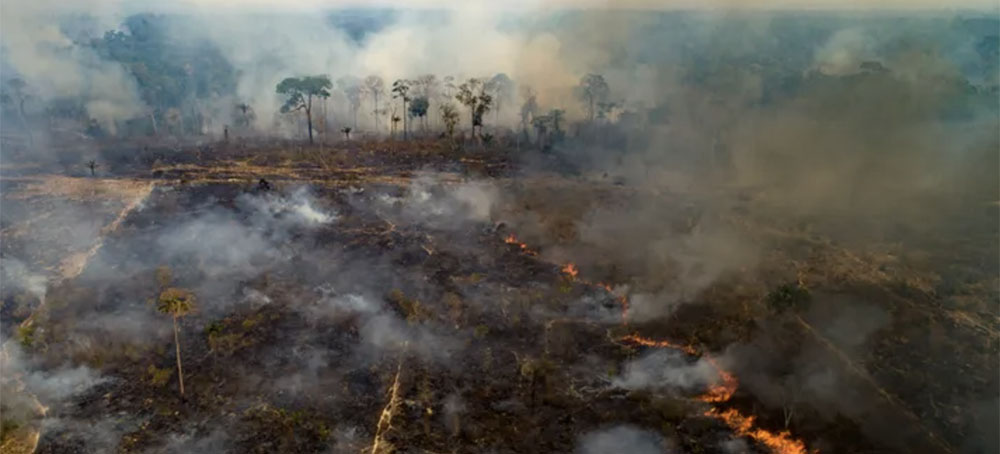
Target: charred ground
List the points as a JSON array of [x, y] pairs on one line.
[[390, 297]]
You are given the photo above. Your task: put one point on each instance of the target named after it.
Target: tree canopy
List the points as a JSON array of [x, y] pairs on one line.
[[301, 90]]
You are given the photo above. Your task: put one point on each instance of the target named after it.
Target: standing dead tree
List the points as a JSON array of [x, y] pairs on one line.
[[375, 87], [401, 90]]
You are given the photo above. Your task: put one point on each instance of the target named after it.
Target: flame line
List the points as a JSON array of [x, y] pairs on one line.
[[743, 425]]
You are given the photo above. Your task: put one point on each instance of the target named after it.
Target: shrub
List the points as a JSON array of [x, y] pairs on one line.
[[788, 296]]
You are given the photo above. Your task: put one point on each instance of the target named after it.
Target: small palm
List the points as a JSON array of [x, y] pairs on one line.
[[175, 302]]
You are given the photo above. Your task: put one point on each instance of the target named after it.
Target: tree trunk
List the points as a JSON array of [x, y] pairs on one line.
[[24, 122], [309, 124], [404, 118], [152, 119], [309, 118], [376, 112], [177, 346]]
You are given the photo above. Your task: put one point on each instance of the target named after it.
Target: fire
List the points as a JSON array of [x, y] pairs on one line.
[[570, 270], [511, 239], [723, 391], [780, 442], [646, 342]]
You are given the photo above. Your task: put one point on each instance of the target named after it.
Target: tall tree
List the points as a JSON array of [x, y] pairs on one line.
[[529, 108], [351, 86], [449, 114], [375, 87], [428, 87], [15, 93], [300, 92], [557, 117], [244, 115], [593, 90], [473, 94], [176, 303], [541, 125], [418, 109], [401, 90], [502, 88]]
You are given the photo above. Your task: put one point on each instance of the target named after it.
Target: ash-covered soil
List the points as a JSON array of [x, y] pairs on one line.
[[364, 300]]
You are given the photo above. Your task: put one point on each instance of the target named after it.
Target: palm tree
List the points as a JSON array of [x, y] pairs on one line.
[[177, 303]]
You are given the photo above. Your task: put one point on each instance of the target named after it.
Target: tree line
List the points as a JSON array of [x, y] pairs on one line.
[[411, 100]]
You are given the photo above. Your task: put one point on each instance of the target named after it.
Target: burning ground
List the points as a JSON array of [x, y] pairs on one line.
[[515, 228], [370, 300]]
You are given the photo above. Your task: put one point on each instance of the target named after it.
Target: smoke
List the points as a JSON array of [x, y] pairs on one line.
[[624, 438], [101, 436], [844, 52], [179, 443], [429, 200], [666, 369], [30, 393], [16, 276], [49, 386], [299, 208], [56, 65]]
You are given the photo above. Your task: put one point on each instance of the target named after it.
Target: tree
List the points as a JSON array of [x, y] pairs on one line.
[[502, 87], [16, 93], [351, 87], [244, 115], [557, 116], [448, 86], [541, 125], [401, 90], [450, 117], [473, 94], [375, 88], [176, 303], [592, 90], [300, 92], [605, 108], [528, 108], [394, 119], [418, 109]]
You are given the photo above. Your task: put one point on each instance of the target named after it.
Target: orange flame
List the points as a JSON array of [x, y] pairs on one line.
[[781, 442], [511, 239], [637, 339], [570, 270], [723, 391], [778, 442]]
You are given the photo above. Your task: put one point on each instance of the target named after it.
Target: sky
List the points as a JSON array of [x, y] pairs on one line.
[[618, 4]]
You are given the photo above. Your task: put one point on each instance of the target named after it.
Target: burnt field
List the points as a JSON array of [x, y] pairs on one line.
[[384, 297]]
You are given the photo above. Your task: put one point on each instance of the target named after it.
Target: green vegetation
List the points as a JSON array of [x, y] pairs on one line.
[[26, 334], [300, 92], [791, 296], [176, 303], [158, 377]]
